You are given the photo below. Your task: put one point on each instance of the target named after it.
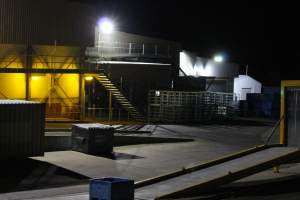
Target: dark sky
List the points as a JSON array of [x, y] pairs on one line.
[[264, 36]]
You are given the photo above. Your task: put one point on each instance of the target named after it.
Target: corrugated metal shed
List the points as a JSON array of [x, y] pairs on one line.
[[21, 128], [46, 22]]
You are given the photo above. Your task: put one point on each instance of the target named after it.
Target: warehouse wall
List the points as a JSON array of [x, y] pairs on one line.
[[59, 91], [245, 84], [46, 22], [43, 56], [12, 86], [11, 56], [56, 57]]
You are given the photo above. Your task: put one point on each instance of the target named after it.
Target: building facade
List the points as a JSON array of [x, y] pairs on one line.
[[218, 77], [50, 52]]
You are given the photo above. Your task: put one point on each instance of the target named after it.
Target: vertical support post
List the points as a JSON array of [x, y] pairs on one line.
[[93, 96], [121, 83], [129, 49], [51, 89], [28, 66], [282, 115], [82, 96], [149, 107], [110, 108], [28, 75], [143, 49]]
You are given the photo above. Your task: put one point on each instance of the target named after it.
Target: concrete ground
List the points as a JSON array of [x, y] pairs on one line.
[[145, 161]]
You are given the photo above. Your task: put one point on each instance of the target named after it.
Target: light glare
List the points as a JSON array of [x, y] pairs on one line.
[[218, 59], [35, 78], [88, 78], [106, 25]]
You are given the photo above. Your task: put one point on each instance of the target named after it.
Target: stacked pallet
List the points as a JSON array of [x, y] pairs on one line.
[[22, 125], [182, 106]]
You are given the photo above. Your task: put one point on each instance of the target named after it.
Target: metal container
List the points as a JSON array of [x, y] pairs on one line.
[[22, 125], [95, 139], [112, 189]]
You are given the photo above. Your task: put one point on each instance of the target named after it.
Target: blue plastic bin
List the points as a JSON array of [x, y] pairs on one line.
[[111, 188]]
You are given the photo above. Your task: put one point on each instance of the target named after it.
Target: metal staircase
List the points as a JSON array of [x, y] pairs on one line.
[[119, 97]]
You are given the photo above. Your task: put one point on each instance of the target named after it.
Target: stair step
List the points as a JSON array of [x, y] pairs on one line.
[[119, 98], [104, 80], [111, 89], [110, 86]]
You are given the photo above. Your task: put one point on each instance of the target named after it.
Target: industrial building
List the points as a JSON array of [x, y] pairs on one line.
[[55, 52], [41, 45], [51, 52], [215, 76], [244, 85]]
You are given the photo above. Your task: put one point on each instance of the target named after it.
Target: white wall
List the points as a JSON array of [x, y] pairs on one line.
[[245, 84], [193, 65]]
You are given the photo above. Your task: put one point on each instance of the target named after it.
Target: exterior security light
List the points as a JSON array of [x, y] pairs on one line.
[[106, 26], [218, 59], [88, 78], [35, 78], [157, 93]]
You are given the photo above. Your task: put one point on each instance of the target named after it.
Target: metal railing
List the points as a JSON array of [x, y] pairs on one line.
[[118, 114], [108, 49]]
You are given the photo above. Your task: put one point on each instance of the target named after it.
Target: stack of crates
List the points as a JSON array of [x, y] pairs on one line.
[[22, 126], [95, 139], [183, 106]]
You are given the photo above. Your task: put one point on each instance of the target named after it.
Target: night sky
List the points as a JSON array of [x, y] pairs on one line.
[[262, 35]]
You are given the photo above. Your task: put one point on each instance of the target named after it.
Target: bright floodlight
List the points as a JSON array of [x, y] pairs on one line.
[[88, 78], [106, 25], [218, 58], [35, 78]]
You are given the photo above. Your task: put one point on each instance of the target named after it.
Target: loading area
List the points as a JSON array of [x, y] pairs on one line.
[[216, 157]]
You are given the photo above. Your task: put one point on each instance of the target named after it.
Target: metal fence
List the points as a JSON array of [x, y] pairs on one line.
[[179, 106]]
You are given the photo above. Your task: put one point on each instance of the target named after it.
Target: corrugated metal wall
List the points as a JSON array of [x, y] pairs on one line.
[[46, 21], [22, 128]]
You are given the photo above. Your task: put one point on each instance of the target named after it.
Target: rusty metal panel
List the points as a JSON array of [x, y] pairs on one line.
[[21, 128], [46, 22]]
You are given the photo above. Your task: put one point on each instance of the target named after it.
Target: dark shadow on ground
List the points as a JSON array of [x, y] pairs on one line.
[[30, 174], [264, 189], [226, 121], [121, 156]]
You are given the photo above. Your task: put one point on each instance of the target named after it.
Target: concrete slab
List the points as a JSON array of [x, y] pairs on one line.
[[145, 161]]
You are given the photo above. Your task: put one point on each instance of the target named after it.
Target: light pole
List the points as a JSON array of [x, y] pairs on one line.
[[106, 27]]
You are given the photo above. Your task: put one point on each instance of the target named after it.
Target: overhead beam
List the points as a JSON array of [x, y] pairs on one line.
[[50, 71]]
